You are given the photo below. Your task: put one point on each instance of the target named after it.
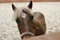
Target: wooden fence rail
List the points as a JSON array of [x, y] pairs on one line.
[[7, 1]]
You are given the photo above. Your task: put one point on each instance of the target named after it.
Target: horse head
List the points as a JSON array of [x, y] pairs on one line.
[[29, 25]]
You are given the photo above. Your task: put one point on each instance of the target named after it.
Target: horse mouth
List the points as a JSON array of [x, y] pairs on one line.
[[27, 35]]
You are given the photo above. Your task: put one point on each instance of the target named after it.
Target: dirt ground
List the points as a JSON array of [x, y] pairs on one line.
[[8, 26]]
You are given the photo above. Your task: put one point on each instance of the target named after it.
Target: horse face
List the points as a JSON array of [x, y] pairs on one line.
[[22, 17], [26, 25]]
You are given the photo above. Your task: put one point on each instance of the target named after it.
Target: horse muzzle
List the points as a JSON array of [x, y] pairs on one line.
[[25, 35]]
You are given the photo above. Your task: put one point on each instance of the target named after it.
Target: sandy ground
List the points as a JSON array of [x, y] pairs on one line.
[[8, 26]]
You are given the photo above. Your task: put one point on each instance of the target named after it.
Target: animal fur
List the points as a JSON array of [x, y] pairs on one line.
[[28, 22]]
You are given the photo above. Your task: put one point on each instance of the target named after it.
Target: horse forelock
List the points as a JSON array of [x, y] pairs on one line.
[[19, 12]]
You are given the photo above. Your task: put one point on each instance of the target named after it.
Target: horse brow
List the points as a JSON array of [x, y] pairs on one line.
[[24, 11]]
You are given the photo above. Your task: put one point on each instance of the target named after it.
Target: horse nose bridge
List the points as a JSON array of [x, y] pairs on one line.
[[26, 26]]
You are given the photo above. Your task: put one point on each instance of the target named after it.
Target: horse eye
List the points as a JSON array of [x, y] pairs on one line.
[[17, 20], [31, 17]]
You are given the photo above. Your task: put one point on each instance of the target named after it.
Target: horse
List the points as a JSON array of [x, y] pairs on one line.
[[29, 25]]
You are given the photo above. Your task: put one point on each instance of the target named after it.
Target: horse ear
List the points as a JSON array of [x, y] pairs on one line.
[[13, 7], [30, 5]]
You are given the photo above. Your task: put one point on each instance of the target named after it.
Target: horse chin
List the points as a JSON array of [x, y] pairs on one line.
[[27, 37]]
